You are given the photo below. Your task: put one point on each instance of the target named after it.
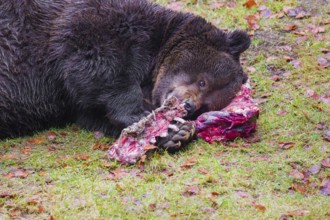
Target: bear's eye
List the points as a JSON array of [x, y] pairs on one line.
[[201, 83]]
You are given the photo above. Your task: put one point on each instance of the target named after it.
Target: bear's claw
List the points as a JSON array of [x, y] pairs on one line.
[[180, 132]]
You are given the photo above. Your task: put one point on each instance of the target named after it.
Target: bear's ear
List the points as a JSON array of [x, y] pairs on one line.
[[238, 41]]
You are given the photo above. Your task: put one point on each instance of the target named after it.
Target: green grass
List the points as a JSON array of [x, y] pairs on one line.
[[70, 180]]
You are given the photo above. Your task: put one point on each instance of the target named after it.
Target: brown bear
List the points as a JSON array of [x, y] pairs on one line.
[[104, 64]]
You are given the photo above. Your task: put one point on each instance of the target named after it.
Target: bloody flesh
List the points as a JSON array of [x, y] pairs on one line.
[[238, 119], [140, 137]]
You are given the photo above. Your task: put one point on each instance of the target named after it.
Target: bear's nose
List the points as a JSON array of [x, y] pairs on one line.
[[190, 107]]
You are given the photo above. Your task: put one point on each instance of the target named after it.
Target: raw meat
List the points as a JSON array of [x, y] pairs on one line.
[[140, 137], [238, 119]]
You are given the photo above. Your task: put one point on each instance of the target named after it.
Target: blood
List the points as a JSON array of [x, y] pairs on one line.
[[238, 119]]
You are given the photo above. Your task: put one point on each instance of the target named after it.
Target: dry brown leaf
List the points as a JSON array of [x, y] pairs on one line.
[[191, 191], [32, 202], [82, 157], [51, 148], [41, 209], [38, 140], [311, 94], [260, 207], [296, 64], [296, 174], [203, 171], [286, 145], [252, 21], [120, 187], [96, 146], [190, 162], [26, 150], [298, 213], [249, 4], [51, 135], [299, 187], [326, 162], [20, 173], [9, 157], [290, 27], [7, 195]]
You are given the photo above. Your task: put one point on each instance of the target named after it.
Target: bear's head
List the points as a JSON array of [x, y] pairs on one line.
[[202, 69]]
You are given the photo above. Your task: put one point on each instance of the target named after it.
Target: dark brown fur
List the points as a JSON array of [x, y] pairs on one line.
[[99, 63]]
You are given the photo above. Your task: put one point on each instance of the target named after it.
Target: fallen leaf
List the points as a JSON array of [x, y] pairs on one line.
[[299, 187], [189, 163], [296, 63], [7, 195], [287, 58], [285, 48], [324, 60], [279, 15], [152, 207], [51, 218], [213, 196], [120, 187], [190, 191], [326, 135], [252, 21], [290, 27], [63, 133], [326, 162], [106, 164], [41, 209], [298, 213], [82, 157], [38, 140], [9, 157], [265, 12], [311, 94], [286, 145], [298, 12], [32, 202], [242, 194], [96, 146], [324, 50], [51, 135], [325, 187], [281, 112], [249, 4], [325, 99], [167, 173], [317, 30], [19, 173], [203, 171], [260, 207], [314, 169], [296, 174], [251, 69], [252, 139], [51, 148]]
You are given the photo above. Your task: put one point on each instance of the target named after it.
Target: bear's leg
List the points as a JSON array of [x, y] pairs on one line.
[[180, 132], [93, 123], [126, 107]]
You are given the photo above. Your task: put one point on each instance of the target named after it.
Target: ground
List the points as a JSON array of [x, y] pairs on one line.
[[282, 171]]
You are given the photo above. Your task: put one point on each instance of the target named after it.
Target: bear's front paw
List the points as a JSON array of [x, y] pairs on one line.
[[180, 132]]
